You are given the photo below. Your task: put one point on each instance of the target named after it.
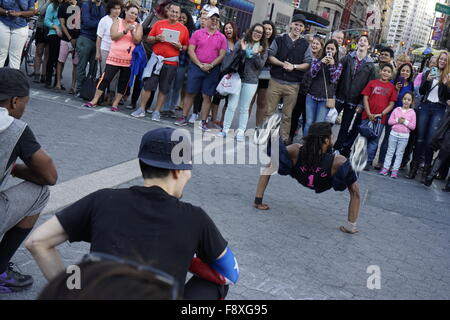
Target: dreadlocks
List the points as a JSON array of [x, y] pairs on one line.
[[311, 151]]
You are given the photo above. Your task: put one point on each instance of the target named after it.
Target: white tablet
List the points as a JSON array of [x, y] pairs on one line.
[[171, 35]]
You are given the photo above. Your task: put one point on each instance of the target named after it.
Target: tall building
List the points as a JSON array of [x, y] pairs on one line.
[[279, 11], [409, 25]]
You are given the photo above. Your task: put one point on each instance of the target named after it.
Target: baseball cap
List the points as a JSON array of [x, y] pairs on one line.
[[213, 13], [14, 83], [299, 17], [157, 147]]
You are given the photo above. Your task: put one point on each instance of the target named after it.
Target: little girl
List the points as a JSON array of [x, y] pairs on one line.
[[403, 121], [211, 6]]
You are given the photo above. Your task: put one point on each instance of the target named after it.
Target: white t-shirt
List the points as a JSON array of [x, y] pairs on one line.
[[104, 32], [434, 94]]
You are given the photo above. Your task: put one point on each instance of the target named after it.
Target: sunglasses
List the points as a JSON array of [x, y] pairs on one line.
[[158, 274]]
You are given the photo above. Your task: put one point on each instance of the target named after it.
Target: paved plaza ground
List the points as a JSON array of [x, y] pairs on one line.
[[294, 250]]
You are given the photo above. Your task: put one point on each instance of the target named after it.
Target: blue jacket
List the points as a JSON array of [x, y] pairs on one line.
[[90, 17], [51, 19], [138, 63]]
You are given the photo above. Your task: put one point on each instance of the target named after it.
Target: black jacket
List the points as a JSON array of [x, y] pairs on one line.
[[426, 86], [351, 85]]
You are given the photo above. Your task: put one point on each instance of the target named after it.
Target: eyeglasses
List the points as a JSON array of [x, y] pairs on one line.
[[159, 274]]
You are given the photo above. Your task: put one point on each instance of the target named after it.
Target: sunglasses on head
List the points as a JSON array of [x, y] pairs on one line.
[[158, 274]]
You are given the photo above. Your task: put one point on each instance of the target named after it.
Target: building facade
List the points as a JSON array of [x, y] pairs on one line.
[[409, 25], [278, 11]]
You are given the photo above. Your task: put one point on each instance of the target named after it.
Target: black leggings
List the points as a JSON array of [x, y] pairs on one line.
[[109, 74], [199, 289], [53, 45]]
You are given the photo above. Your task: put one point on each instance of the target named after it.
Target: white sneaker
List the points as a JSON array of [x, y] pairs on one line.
[[138, 113], [193, 118], [240, 136]]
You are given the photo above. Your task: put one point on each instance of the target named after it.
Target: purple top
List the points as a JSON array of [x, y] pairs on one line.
[[335, 71]]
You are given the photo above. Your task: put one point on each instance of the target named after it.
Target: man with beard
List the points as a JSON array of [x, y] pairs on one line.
[[312, 165]]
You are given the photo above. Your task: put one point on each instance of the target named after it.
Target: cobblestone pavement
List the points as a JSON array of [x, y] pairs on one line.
[[294, 250]]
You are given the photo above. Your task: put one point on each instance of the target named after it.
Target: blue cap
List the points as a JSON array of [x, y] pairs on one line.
[[157, 146]]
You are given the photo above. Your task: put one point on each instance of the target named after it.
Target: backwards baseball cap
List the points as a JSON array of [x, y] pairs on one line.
[[299, 17], [157, 149], [213, 13], [13, 83]]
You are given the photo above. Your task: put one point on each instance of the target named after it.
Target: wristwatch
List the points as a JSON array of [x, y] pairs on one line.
[[124, 32], [295, 66], [7, 12]]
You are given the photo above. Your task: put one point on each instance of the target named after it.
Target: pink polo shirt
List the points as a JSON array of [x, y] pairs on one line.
[[208, 46]]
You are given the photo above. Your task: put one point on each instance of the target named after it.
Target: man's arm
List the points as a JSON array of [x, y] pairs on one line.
[[98, 51], [38, 169], [193, 56], [219, 59], [224, 270], [42, 245], [62, 21]]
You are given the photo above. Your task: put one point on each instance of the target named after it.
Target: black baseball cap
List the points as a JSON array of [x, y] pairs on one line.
[[157, 149], [299, 17], [13, 83]]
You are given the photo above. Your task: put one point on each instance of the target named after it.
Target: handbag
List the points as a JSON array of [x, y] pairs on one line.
[[229, 84], [370, 129], [332, 116], [89, 86]]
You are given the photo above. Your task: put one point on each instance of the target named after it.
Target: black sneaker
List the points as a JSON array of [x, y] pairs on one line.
[[12, 280], [368, 167]]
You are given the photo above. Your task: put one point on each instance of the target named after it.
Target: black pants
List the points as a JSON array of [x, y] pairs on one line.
[[198, 101], [345, 138], [199, 289], [53, 45], [110, 73], [137, 89], [299, 110]]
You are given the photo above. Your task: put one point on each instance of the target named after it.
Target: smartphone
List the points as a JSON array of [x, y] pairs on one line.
[[434, 72], [402, 80]]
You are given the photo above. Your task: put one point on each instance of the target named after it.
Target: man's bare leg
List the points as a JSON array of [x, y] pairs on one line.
[[353, 209], [187, 104]]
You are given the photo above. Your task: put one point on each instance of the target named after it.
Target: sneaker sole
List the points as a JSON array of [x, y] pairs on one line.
[[273, 123], [7, 289], [138, 116]]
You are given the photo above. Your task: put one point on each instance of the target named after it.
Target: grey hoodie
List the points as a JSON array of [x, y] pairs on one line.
[[253, 66]]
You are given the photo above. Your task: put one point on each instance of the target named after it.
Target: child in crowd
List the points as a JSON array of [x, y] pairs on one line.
[[403, 121], [379, 98], [211, 6]]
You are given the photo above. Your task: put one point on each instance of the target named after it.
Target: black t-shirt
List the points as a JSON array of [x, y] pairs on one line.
[[72, 16], [25, 147], [145, 224], [318, 179]]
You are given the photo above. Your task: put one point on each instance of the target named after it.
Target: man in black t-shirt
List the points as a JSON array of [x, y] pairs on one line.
[[148, 224], [69, 15], [21, 204]]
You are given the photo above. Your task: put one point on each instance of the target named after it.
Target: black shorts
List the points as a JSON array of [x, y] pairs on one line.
[[263, 83], [164, 79], [40, 36]]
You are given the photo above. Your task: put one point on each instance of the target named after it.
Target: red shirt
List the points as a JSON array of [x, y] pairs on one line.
[[380, 95], [165, 49]]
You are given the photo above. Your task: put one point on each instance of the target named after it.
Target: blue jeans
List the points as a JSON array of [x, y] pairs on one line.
[[173, 97], [243, 99], [372, 144], [429, 116], [316, 111], [396, 149]]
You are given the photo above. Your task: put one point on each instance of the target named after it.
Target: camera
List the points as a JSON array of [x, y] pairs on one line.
[[329, 54]]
